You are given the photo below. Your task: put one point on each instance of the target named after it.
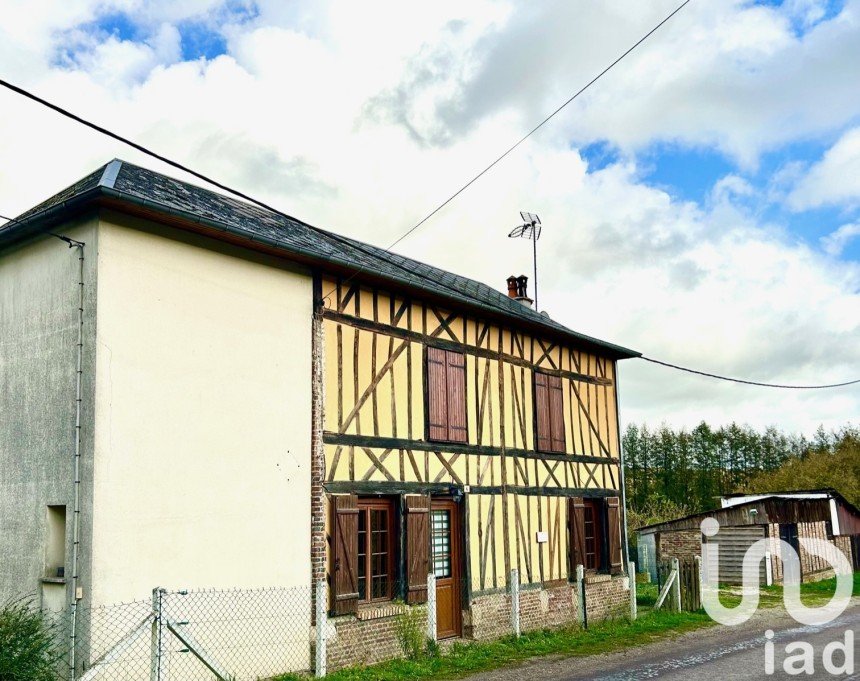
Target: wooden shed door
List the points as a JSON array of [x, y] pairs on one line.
[[734, 541], [788, 534], [446, 556]]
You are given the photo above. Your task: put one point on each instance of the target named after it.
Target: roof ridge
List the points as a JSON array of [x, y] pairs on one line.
[[110, 173]]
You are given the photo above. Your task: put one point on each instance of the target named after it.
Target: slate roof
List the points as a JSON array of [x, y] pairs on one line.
[[128, 183]]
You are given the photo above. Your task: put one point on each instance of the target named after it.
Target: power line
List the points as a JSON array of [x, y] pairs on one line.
[[538, 126], [523, 138], [351, 244], [745, 382], [660, 362]]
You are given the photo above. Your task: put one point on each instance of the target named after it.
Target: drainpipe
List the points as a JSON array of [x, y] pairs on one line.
[[77, 460], [622, 477]]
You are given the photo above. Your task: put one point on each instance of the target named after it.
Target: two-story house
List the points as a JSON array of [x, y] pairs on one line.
[[198, 391]]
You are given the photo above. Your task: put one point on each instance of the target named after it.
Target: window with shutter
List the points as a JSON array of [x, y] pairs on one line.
[[417, 547], [576, 525], [595, 534], [375, 552], [613, 534], [344, 569], [446, 395], [549, 413]]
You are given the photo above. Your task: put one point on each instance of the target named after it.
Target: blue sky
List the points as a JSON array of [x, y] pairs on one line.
[[718, 208], [688, 172]]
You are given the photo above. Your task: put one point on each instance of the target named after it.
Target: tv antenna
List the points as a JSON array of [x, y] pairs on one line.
[[530, 229]]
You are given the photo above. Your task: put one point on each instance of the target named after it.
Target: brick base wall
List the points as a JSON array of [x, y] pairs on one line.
[[372, 636], [367, 641]]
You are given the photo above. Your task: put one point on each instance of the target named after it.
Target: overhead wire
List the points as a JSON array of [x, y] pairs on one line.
[[356, 245], [747, 382]]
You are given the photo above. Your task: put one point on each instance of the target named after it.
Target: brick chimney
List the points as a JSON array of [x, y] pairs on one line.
[[518, 289]]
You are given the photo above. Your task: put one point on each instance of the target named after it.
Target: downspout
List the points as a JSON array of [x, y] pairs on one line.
[[622, 476], [76, 512]]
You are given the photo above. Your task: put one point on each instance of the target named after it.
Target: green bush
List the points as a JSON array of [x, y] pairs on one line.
[[29, 644], [409, 627]]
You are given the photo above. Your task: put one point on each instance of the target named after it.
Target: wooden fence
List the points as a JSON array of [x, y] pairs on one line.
[[690, 575], [691, 584]]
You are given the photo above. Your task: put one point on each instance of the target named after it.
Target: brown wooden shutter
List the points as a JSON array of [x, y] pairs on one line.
[[576, 520], [344, 582], [542, 411], [556, 413], [437, 394], [613, 534], [456, 371], [417, 547]]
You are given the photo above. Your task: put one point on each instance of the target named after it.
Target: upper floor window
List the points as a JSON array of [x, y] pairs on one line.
[[549, 413], [446, 395]]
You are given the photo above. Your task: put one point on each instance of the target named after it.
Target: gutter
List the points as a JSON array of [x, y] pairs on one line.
[[33, 223]]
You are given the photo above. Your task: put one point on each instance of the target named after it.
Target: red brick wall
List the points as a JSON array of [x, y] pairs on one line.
[[365, 641], [679, 544]]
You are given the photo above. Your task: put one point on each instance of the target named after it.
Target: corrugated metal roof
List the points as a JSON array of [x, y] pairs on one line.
[[158, 192]]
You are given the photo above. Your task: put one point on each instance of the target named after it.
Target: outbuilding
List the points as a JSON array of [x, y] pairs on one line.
[[745, 518]]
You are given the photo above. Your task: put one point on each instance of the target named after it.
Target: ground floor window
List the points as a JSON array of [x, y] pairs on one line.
[[595, 534], [375, 550]]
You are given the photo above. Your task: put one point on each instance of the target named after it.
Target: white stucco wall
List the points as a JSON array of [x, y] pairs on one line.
[[203, 415]]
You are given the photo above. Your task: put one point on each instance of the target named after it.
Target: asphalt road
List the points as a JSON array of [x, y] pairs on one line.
[[715, 654]]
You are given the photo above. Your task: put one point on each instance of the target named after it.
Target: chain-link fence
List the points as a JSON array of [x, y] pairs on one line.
[[190, 635], [254, 634]]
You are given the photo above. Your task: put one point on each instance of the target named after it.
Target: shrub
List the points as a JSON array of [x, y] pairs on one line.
[[409, 628], [29, 644]]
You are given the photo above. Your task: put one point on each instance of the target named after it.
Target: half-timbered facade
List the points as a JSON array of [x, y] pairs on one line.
[[430, 406]]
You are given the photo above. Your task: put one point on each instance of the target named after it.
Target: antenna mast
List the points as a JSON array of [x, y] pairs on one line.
[[530, 229]]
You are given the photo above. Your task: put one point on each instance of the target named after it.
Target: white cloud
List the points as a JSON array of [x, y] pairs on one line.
[[327, 111], [833, 180], [835, 242]]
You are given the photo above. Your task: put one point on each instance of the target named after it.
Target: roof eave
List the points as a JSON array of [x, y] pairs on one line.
[[112, 198]]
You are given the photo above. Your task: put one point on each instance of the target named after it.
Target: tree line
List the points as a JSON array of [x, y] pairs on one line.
[[670, 472]]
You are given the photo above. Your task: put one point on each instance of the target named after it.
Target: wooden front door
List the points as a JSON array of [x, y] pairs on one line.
[[446, 556]]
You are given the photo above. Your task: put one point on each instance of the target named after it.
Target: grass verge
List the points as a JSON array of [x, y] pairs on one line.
[[463, 659]]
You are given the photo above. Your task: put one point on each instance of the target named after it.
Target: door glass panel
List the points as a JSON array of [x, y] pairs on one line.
[[442, 543]]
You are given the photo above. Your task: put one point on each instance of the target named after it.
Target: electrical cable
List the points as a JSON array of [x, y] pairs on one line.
[[745, 382]]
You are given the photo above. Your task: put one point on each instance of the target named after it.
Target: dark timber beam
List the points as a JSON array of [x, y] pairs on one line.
[[378, 442], [416, 336]]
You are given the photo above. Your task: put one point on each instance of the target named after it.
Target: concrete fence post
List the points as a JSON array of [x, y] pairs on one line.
[[580, 595], [768, 568], [676, 585], [320, 663], [631, 575], [155, 637], [515, 601], [431, 607]]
